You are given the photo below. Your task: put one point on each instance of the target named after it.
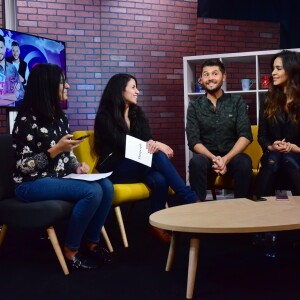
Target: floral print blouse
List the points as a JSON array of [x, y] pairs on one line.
[[31, 140]]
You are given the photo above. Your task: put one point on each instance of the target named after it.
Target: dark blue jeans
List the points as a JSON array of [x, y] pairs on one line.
[[158, 178], [92, 203], [239, 168], [274, 163]]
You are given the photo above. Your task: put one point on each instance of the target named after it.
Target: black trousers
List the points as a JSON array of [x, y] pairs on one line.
[[239, 168]]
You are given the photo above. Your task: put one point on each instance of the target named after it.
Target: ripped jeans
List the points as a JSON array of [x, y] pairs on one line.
[[274, 163]]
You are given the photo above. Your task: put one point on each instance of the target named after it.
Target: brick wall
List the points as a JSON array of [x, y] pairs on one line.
[[149, 39], [228, 36], [145, 38]]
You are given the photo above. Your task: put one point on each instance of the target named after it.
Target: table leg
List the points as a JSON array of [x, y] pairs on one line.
[[193, 261], [172, 250]]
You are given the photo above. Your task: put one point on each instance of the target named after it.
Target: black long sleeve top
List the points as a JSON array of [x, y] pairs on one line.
[[114, 139], [271, 130]]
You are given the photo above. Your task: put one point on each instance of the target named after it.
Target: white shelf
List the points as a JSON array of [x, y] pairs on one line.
[[257, 63]]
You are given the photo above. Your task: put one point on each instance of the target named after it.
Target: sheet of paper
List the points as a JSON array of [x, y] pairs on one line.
[[137, 151], [88, 177]]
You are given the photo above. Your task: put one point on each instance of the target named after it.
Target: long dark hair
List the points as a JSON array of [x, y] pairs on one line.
[[277, 96], [42, 93], [112, 101]]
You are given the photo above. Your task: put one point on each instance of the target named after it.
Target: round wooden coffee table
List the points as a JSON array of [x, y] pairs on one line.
[[224, 216]]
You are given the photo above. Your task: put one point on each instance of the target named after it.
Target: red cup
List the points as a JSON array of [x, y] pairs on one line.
[[265, 80]]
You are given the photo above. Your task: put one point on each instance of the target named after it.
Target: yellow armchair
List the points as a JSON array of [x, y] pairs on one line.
[[123, 193]]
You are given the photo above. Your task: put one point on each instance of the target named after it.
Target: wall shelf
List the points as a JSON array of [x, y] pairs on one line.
[[240, 65]]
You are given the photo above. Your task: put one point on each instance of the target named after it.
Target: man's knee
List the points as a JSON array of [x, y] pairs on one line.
[[244, 161], [199, 161]]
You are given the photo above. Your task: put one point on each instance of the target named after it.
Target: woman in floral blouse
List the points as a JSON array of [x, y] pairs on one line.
[[44, 154]]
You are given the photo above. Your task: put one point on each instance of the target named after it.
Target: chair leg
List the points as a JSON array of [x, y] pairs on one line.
[[57, 249], [2, 234], [121, 225], [213, 192], [107, 240]]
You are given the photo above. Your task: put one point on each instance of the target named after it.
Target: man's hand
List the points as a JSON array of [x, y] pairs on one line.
[[219, 165]]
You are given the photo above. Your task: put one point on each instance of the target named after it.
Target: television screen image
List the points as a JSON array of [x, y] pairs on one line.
[[19, 53]]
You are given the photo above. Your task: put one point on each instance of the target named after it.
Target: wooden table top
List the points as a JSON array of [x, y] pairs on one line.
[[231, 216]]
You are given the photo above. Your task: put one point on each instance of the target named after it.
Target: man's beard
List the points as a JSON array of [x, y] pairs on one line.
[[215, 89]]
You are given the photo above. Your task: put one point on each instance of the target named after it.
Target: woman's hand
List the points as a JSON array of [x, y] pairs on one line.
[[282, 146], [166, 150], [154, 146], [66, 144], [83, 168]]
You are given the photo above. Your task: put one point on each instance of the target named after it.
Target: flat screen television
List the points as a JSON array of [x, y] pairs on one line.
[[22, 52]]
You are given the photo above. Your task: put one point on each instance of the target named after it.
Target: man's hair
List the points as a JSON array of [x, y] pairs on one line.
[[213, 62], [2, 39], [14, 43]]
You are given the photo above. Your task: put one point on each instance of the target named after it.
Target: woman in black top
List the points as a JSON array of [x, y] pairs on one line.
[[279, 131], [119, 115]]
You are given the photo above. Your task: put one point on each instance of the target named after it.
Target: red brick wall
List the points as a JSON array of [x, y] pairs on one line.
[[149, 39], [228, 36], [145, 38]]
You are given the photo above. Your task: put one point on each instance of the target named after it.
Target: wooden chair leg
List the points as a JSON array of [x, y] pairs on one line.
[[121, 225], [107, 240], [2, 234], [57, 249]]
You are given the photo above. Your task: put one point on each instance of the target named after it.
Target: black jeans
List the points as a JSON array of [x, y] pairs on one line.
[[239, 168], [282, 169]]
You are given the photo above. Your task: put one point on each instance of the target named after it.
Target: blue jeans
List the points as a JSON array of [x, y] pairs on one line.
[[92, 203], [239, 168], [159, 177]]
